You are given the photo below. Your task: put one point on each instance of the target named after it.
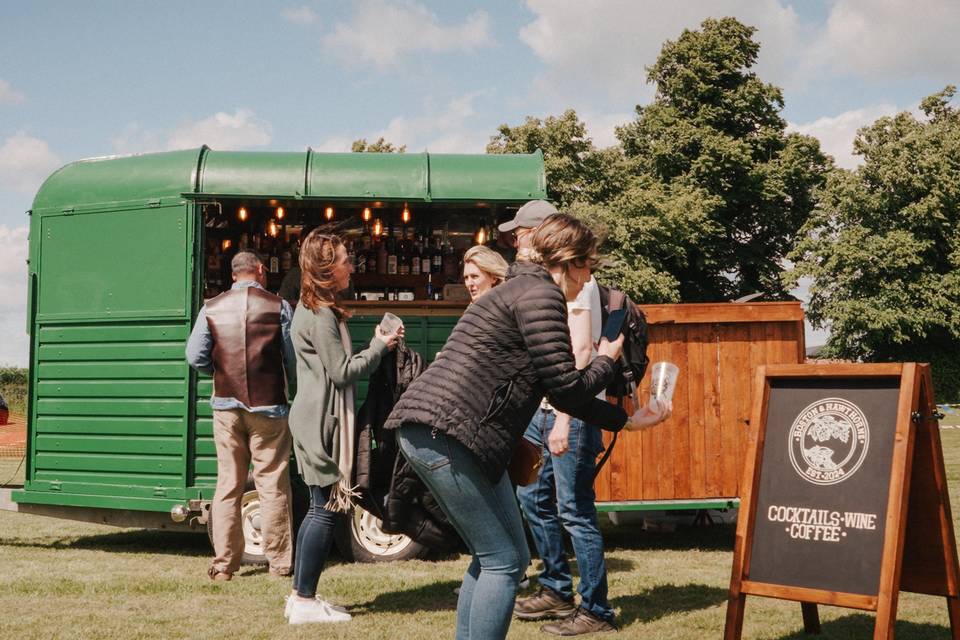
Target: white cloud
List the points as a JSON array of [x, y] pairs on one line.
[[605, 45], [25, 162], [302, 15], [449, 129], [601, 127], [381, 32], [836, 133], [222, 131], [9, 95], [14, 347], [894, 37]]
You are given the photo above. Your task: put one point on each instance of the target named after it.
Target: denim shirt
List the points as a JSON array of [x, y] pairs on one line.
[[200, 349]]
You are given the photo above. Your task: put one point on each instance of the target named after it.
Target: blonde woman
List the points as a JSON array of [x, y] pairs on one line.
[[460, 421], [321, 418], [483, 269]]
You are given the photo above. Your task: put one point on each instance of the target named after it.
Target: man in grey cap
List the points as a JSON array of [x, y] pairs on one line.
[[528, 218]]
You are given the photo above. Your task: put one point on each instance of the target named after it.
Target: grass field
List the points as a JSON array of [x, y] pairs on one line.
[[62, 579]]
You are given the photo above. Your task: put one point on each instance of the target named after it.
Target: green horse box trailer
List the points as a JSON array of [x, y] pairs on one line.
[[124, 251]]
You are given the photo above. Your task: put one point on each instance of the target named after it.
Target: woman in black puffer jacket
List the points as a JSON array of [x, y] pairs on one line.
[[462, 419]]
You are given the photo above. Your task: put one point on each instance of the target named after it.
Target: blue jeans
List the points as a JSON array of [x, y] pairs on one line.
[[485, 515], [563, 498], [313, 543]]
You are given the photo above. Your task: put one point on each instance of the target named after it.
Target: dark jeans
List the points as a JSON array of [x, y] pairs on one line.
[[485, 515], [313, 543], [563, 498]]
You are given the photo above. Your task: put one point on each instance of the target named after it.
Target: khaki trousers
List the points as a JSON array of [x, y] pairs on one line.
[[243, 438]]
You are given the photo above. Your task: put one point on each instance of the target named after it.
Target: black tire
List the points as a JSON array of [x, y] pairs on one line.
[[250, 520], [360, 539]]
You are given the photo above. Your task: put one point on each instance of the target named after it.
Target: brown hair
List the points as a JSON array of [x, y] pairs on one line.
[[318, 288], [562, 241]]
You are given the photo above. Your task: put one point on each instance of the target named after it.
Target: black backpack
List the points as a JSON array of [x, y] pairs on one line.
[[633, 361]]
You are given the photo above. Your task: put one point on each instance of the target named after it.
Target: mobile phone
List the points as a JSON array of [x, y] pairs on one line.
[[614, 324]]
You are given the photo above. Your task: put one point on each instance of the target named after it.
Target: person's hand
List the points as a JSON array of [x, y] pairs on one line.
[[558, 442], [611, 349], [648, 416], [391, 339]]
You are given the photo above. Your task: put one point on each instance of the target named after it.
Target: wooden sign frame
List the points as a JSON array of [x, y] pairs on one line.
[[919, 524]]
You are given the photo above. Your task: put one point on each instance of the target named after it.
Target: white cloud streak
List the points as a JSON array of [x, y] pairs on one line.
[[222, 131], [381, 33], [25, 162], [837, 133], [9, 95], [302, 15]]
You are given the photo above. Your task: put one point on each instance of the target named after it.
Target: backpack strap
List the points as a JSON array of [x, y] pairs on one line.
[[606, 454]]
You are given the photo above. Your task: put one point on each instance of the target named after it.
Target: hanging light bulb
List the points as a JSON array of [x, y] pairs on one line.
[[226, 244], [405, 216], [366, 214], [273, 229], [328, 213], [242, 214], [280, 213], [377, 228], [481, 236]]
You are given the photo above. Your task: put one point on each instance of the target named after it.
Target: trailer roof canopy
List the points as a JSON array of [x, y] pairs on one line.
[[333, 176]]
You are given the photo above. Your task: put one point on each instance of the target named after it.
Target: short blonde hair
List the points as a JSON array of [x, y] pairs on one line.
[[488, 261]]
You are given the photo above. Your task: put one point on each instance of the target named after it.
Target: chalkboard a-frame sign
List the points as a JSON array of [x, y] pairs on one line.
[[845, 495]]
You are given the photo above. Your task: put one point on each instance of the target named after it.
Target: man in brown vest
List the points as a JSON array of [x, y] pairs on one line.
[[242, 338]]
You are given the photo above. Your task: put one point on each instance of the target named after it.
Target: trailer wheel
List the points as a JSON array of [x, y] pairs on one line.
[[250, 521], [360, 539]]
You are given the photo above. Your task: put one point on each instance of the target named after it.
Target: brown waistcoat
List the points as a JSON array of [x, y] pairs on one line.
[[247, 347]]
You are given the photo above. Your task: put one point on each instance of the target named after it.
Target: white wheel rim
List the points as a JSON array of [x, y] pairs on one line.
[[367, 532], [250, 518]]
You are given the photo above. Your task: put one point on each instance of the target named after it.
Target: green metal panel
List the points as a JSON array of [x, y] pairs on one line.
[[369, 175], [114, 264], [253, 173], [489, 177], [118, 179]]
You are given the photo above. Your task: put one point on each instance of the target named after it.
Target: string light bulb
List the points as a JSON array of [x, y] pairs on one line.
[[367, 214], [377, 228], [481, 235], [405, 216], [272, 229], [280, 213], [328, 213], [242, 214], [226, 244]]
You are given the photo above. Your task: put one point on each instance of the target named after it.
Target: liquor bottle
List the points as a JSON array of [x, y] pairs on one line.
[[361, 258], [382, 257], [415, 262], [391, 252], [429, 286], [403, 253], [449, 258], [436, 256], [425, 261], [372, 257], [351, 254], [286, 258]]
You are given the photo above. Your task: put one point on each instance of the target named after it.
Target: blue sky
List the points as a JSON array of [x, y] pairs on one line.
[[98, 78]]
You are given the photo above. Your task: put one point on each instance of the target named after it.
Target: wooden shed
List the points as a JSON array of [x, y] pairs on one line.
[[696, 457]]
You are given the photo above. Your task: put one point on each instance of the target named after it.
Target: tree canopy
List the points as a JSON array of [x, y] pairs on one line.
[[380, 145], [883, 248]]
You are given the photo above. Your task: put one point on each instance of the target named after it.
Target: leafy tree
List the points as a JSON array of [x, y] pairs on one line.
[[713, 137], [379, 146], [575, 169], [883, 248]]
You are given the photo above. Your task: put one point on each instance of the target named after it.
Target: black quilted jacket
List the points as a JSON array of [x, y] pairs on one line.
[[509, 350]]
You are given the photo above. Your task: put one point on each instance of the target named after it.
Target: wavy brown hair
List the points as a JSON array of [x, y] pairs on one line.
[[563, 240], [318, 287]]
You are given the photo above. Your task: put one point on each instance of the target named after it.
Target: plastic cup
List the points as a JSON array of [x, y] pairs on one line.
[[390, 323], [663, 380]]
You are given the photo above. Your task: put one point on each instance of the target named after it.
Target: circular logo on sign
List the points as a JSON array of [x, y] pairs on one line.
[[828, 441]]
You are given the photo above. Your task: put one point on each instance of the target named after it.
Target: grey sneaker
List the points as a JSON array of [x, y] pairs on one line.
[[545, 603], [580, 623]]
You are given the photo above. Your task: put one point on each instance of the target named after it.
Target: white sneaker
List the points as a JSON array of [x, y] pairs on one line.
[[289, 605], [306, 611]]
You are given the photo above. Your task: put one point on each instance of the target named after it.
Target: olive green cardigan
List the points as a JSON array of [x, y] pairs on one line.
[[322, 368]]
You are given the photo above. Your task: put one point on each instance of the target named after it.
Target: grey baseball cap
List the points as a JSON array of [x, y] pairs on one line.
[[530, 216]]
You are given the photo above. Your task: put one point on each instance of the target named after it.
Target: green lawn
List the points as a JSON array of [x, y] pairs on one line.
[[62, 579]]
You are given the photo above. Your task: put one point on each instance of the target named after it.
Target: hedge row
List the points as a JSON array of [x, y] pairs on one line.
[[12, 376]]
